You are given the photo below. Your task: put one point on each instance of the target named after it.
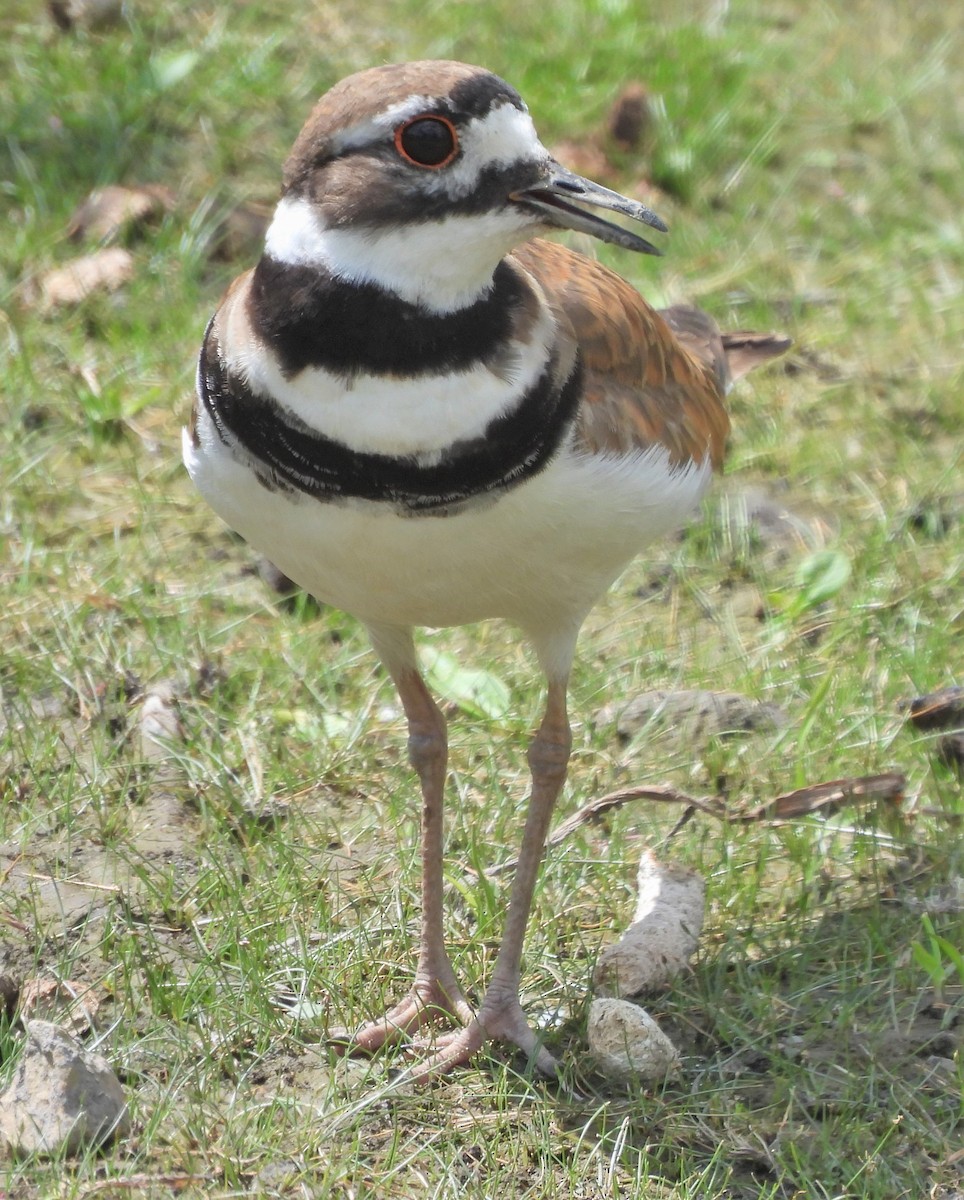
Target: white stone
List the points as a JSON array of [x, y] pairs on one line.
[[664, 933], [628, 1044]]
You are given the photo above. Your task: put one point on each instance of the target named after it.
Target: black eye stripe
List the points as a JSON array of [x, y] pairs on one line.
[[429, 141]]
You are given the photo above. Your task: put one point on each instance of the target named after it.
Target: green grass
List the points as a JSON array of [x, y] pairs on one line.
[[809, 165]]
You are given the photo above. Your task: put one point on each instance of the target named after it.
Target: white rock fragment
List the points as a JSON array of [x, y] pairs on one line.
[[628, 1044], [664, 933], [160, 726], [62, 1098]]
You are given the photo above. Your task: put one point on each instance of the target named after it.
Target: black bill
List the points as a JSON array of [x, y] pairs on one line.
[[559, 200]]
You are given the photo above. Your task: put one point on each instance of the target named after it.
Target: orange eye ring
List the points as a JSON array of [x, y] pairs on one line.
[[435, 152]]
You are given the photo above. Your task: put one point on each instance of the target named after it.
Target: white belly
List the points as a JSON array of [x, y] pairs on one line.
[[538, 556]]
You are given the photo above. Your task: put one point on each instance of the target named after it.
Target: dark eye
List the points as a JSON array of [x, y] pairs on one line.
[[427, 142]]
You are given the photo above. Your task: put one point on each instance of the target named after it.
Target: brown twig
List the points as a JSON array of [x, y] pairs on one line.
[[177, 1183], [825, 798]]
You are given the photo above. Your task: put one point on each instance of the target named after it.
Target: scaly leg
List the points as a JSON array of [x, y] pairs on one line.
[[500, 1016], [435, 991]]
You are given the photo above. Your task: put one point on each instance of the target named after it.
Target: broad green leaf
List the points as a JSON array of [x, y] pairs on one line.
[[821, 576], [170, 69], [476, 691]]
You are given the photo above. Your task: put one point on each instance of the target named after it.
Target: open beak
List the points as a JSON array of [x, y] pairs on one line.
[[559, 199]]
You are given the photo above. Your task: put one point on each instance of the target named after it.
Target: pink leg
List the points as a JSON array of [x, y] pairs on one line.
[[435, 991], [500, 1016]]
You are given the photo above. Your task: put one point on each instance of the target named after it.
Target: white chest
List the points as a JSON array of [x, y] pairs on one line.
[[538, 555]]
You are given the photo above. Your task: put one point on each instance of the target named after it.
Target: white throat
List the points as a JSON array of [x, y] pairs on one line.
[[440, 265]]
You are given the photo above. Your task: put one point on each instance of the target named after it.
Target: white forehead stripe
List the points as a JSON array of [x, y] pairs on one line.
[[503, 136], [380, 125]]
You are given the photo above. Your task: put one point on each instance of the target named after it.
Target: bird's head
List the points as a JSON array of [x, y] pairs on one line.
[[420, 177]]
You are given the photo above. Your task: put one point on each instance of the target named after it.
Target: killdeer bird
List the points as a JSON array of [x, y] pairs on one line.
[[426, 418]]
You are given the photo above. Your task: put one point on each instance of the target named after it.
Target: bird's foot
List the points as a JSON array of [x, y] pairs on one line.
[[500, 1019], [431, 999]]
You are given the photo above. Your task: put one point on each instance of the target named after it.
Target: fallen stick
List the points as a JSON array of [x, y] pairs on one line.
[[826, 798]]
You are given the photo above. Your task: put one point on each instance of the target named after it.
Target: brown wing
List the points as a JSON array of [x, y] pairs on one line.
[[651, 378], [644, 386]]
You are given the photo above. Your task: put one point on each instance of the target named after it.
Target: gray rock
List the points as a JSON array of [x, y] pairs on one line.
[[770, 522], [693, 715], [63, 1098]]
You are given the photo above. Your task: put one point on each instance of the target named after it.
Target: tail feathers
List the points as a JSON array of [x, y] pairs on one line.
[[744, 350], [731, 355]]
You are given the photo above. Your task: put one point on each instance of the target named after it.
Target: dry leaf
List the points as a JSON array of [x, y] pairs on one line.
[[825, 798], [62, 1002], [108, 211], [87, 14], [631, 119], [160, 725], [585, 157], [950, 750], [828, 798], [937, 710], [104, 271], [240, 235]]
